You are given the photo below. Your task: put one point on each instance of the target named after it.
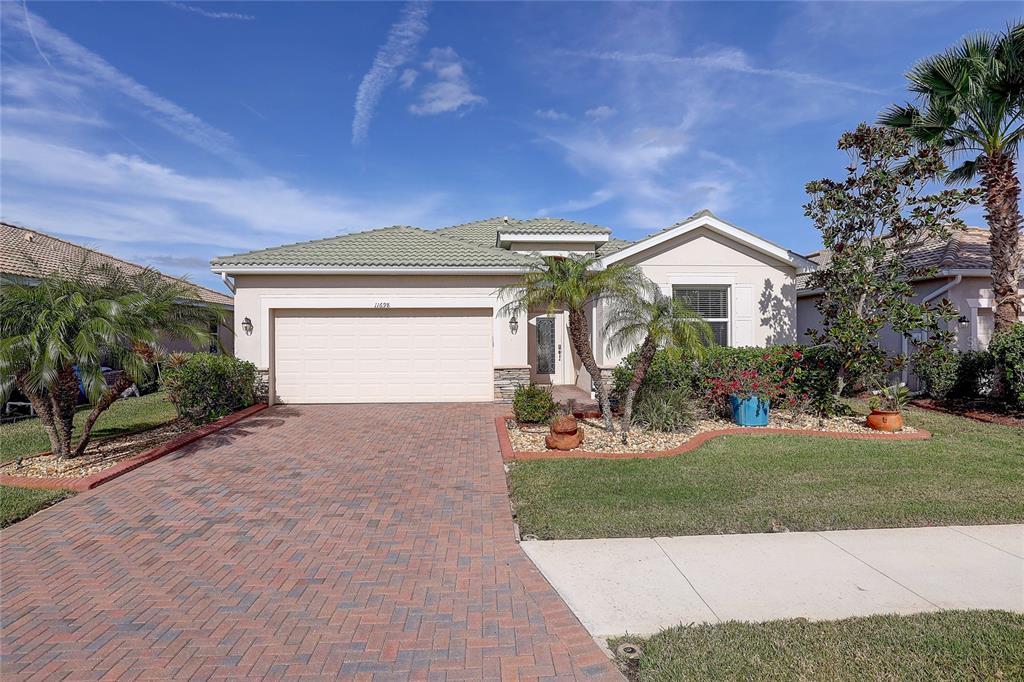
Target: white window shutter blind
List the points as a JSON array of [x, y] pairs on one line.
[[742, 315]]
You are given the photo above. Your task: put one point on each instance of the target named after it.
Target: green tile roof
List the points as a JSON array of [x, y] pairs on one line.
[[554, 226], [398, 246], [484, 232]]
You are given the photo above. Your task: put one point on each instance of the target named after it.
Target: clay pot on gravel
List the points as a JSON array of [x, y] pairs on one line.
[[884, 420], [565, 434]]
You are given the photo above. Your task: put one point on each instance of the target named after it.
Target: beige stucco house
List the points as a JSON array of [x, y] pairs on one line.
[[958, 269], [403, 314]]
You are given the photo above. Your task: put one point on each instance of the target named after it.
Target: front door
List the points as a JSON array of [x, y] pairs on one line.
[[550, 349]]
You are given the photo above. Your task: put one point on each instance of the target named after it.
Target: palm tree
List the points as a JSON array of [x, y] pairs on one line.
[[573, 284], [653, 320], [972, 103], [57, 334]]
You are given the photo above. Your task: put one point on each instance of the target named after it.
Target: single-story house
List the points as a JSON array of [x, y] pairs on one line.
[[403, 314], [26, 254], [958, 269]]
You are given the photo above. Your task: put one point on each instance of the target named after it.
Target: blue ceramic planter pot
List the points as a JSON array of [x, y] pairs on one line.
[[752, 411]]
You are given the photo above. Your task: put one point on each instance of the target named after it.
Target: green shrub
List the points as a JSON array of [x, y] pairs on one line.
[[974, 374], [206, 386], [666, 409], [533, 404], [666, 372], [1007, 350], [809, 375], [939, 368]]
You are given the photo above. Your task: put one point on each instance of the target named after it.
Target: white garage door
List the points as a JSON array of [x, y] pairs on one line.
[[378, 356]]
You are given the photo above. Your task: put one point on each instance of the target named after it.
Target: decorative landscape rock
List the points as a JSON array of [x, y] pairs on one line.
[[565, 434]]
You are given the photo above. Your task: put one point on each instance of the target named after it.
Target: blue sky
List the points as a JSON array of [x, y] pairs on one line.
[[172, 132]]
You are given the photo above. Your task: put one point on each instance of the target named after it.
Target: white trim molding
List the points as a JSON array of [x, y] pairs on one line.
[[575, 238], [725, 229]]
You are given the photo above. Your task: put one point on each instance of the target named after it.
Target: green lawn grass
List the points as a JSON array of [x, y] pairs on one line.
[[949, 645], [969, 472], [27, 437]]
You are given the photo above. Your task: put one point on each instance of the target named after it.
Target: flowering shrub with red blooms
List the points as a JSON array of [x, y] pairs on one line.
[[771, 376]]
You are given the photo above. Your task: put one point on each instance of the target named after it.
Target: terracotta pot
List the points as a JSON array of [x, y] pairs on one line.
[[564, 441], [883, 420]]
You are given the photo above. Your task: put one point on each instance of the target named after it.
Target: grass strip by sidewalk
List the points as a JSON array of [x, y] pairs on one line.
[[968, 473], [947, 645]]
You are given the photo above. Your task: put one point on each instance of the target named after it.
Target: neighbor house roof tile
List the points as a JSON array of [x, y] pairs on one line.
[[29, 253], [964, 250]]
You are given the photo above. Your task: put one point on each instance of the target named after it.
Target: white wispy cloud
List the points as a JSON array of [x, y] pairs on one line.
[[552, 115], [408, 77], [450, 91], [398, 49], [81, 68], [600, 113], [725, 59], [210, 14]]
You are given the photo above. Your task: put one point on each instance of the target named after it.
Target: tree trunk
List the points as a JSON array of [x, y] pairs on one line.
[[579, 333], [112, 394], [1002, 212], [63, 400], [44, 411], [644, 359]]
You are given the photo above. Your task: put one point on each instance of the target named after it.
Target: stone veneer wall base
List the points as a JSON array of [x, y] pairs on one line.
[[507, 380]]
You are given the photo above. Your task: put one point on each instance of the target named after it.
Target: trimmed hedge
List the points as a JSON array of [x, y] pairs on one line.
[[533, 404], [206, 386], [1007, 349]]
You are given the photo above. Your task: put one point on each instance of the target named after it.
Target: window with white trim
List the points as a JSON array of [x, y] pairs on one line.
[[711, 302]]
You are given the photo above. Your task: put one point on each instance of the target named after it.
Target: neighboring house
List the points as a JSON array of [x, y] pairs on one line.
[[403, 314], [25, 254], [959, 271]]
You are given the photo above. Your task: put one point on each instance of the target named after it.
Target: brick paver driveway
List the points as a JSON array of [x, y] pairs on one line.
[[321, 541]]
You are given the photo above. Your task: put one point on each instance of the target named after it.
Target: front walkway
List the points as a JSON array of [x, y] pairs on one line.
[[341, 541], [643, 585]]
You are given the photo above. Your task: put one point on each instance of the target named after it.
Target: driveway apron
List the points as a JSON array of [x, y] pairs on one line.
[[320, 541]]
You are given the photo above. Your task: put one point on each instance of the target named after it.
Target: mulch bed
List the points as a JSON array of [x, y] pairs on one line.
[[99, 455], [979, 410], [524, 442], [110, 458]]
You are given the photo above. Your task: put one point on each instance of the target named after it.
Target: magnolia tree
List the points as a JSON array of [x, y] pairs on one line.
[[869, 222]]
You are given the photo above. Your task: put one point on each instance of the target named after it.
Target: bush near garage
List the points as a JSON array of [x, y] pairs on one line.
[[939, 367], [533, 404], [1007, 350], [206, 386]]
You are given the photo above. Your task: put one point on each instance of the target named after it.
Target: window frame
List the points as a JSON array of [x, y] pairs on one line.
[[676, 286]]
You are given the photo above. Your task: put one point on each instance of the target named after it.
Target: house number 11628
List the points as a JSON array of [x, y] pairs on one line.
[[381, 304]]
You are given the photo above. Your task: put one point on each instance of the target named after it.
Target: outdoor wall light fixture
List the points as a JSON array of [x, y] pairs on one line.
[[247, 326], [513, 325], [962, 320]]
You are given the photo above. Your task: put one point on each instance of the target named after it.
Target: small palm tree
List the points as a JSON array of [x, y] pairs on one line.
[[647, 322], [573, 284], [972, 103], [57, 334]]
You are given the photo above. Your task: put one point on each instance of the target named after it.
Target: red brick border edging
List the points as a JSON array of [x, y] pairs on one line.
[[976, 415], [510, 455], [82, 483]]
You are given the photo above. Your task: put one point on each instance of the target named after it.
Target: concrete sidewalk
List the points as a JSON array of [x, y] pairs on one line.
[[642, 585]]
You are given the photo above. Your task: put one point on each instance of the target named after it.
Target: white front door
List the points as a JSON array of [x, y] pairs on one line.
[[550, 352]]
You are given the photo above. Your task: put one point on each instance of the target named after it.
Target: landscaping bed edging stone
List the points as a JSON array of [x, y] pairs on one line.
[[83, 483], [510, 455]]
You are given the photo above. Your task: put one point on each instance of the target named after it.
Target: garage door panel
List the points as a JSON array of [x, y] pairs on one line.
[[392, 355]]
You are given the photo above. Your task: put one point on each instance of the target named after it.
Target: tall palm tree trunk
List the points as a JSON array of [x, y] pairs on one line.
[[1002, 212], [645, 356], [579, 333]]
